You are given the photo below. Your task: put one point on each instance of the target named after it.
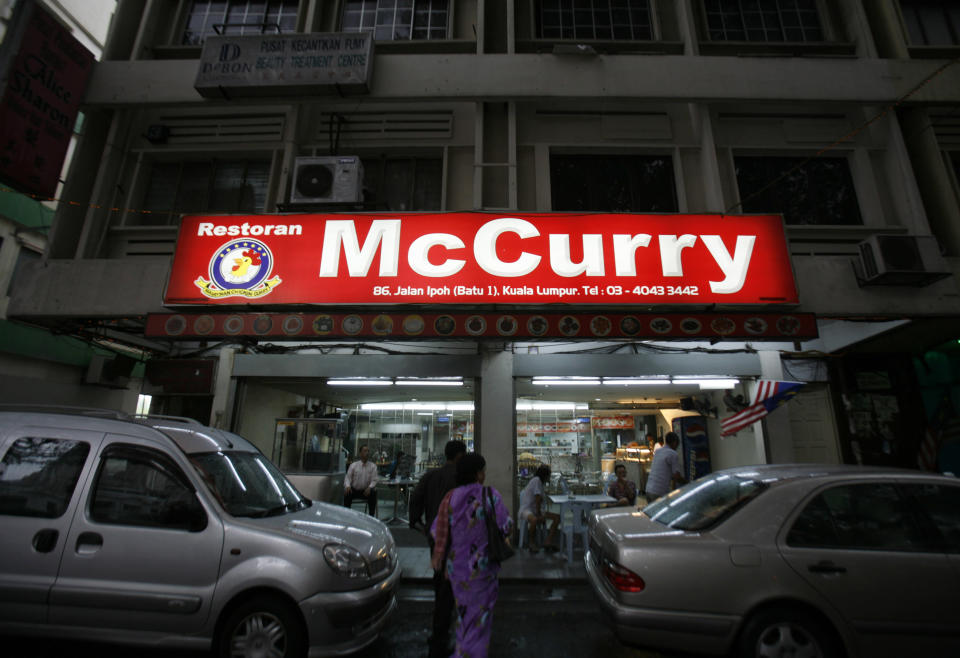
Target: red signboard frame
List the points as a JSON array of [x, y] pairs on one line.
[[481, 259]]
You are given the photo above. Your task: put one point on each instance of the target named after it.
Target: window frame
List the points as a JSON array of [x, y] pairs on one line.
[[179, 33], [923, 50], [800, 153], [448, 35], [831, 44], [384, 156]]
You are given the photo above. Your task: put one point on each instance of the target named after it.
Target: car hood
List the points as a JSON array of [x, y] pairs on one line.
[[324, 523], [620, 526]]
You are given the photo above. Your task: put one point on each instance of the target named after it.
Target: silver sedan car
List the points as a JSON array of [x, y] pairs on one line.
[[786, 560], [168, 533]]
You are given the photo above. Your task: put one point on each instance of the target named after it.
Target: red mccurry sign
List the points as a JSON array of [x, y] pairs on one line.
[[481, 258]]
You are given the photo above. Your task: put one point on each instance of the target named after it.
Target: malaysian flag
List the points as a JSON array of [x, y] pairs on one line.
[[770, 394]]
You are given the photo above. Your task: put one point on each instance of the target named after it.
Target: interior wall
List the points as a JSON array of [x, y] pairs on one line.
[[259, 409]]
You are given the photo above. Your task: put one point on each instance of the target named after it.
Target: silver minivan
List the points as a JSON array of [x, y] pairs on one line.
[[165, 532]]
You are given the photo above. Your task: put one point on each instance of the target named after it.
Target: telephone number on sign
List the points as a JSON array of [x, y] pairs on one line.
[[656, 290]]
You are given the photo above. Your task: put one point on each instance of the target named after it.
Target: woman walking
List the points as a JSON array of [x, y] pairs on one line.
[[460, 534]]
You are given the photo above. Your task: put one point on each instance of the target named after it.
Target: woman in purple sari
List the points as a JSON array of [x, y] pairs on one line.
[[460, 532]]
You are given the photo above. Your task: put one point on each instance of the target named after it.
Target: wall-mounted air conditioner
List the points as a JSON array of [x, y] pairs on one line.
[[112, 372], [327, 179], [901, 260]]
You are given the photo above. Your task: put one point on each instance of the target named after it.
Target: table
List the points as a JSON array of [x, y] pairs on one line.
[[402, 482], [578, 504]]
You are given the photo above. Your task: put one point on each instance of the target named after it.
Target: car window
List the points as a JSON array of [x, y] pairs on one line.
[[143, 487], [858, 516], [940, 504], [38, 476], [247, 484], [705, 502]]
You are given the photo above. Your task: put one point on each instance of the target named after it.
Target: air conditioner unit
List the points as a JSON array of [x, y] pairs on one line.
[[327, 179], [110, 372], [901, 260]]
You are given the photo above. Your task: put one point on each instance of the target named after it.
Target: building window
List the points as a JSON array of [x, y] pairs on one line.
[[763, 20], [397, 20], [612, 183], [932, 22], [222, 186], [627, 20], [402, 184], [218, 17], [819, 191]]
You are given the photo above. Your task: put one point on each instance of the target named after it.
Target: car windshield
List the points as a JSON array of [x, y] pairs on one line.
[[705, 502], [247, 484]]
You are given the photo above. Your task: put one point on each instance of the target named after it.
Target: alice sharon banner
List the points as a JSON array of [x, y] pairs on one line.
[[481, 258]]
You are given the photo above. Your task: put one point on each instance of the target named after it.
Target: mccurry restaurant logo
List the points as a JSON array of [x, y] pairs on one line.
[[239, 268]]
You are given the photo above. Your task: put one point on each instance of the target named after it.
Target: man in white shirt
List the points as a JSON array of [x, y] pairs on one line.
[[532, 502], [361, 482], [665, 470]]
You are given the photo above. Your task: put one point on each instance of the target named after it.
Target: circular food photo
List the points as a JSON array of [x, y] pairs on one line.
[[233, 325], [413, 325], [537, 325], [661, 325], [690, 326], [322, 324], [382, 325], [175, 325], [203, 325], [352, 324], [755, 326], [788, 325], [292, 324], [507, 325], [600, 325], [444, 325], [262, 324], [569, 325], [630, 325], [723, 326], [476, 325]]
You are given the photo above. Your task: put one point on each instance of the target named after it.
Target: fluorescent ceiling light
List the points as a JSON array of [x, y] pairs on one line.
[[566, 382], [556, 406], [635, 382], [424, 413], [382, 406], [458, 406], [707, 383], [359, 382], [428, 382]]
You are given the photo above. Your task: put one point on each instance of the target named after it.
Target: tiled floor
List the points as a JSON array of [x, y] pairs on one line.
[[524, 566]]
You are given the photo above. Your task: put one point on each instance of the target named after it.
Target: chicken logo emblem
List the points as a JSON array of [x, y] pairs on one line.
[[240, 268]]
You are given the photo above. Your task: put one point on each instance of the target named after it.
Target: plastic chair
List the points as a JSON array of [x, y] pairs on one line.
[[523, 529]]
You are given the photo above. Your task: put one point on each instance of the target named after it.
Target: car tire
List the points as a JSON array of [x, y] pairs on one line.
[[262, 626], [787, 631]]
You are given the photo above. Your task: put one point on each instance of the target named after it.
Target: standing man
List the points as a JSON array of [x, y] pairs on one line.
[[665, 471], [361, 482], [426, 499]]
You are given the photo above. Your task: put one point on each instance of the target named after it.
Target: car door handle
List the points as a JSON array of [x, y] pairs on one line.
[[45, 540], [826, 566], [89, 543]]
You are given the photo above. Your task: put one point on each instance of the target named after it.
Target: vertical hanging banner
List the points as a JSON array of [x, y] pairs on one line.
[[481, 258], [44, 72]]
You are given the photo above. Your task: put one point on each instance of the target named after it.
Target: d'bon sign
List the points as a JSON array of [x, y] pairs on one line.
[[481, 258]]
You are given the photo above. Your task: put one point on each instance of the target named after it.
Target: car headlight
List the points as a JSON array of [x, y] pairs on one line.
[[346, 561]]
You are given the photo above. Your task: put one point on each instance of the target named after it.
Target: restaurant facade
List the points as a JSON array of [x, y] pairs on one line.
[[547, 233]]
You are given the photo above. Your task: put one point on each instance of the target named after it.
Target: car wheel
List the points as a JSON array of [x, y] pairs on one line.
[[262, 627], [787, 632]]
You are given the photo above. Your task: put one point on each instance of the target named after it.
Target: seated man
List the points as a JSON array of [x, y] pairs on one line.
[[624, 490], [531, 509], [361, 482]]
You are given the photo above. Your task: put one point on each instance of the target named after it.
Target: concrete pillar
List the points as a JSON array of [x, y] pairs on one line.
[[776, 426], [223, 390], [496, 423]]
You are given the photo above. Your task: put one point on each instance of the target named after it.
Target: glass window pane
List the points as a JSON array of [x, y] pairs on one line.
[[142, 487], [941, 507], [194, 188], [227, 184], [38, 476], [820, 191], [612, 183]]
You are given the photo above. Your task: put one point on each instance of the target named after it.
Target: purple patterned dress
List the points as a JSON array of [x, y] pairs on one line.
[[472, 575]]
